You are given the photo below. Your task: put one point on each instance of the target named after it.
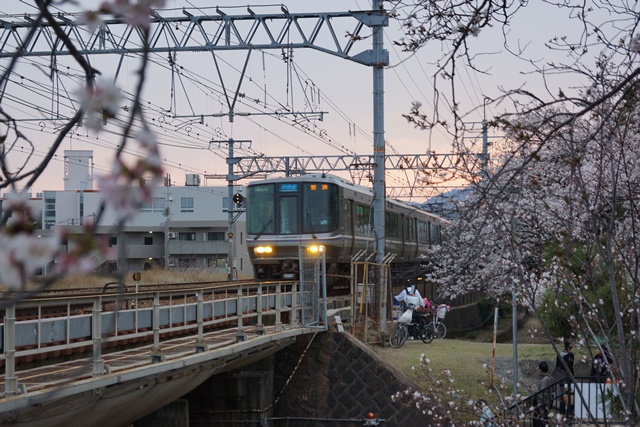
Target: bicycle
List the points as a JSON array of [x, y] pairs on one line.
[[435, 328], [400, 332]]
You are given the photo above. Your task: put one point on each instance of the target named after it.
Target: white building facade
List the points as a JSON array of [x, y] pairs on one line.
[[180, 228]]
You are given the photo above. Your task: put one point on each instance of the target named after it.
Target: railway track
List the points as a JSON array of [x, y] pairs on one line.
[[114, 288]]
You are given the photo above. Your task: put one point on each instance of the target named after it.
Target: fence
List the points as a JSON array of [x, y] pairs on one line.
[[370, 285], [592, 400], [44, 326]]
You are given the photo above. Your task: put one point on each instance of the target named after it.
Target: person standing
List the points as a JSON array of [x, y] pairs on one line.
[[600, 366], [562, 372], [544, 396], [487, 419]]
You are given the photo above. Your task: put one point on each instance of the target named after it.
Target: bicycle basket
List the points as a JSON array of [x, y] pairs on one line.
[[406, 317], [442, 311]]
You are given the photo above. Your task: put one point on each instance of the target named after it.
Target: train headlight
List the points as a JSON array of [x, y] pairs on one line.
[[315, 249], [263, 250]]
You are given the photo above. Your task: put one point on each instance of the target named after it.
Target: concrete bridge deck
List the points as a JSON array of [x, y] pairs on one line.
[[119, 387]]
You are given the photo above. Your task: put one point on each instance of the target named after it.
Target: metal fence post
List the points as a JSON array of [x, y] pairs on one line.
[[10, 381], [259, 325], [96, 335], [200, 346], [278, 322], [156, 355], [240, 335], [294, 305]]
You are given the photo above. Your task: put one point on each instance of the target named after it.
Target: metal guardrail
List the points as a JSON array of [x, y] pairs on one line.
[[66, 323]]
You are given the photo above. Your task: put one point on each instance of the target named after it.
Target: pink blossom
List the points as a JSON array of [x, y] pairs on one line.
[[124, 198], [100, 102], [23, 255], [91, 19], [17, 200], [147, 140], [136, 14]]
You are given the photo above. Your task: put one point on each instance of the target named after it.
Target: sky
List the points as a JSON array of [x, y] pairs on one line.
[[313, 82]]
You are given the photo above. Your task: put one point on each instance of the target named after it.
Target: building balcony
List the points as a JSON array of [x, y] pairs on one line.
[[143, 251], [212, 247]]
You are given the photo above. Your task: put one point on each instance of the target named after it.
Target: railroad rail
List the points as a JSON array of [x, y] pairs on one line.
[[118, 287]]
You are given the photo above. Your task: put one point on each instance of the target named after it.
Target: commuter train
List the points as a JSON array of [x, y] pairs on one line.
[[329, 212]]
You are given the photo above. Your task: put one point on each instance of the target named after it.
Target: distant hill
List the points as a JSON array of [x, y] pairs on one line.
[[446, 204]]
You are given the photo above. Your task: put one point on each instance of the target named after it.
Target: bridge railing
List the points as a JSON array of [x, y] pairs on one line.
[[61, 325]]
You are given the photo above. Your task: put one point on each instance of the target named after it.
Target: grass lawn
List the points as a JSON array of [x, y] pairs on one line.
[[469, 363]]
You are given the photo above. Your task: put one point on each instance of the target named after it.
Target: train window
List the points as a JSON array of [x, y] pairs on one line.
[[410, 231], [260, 209], [423, 232], [391, 224], [364, 220], [288, 215], [435, 233], [320, 208]]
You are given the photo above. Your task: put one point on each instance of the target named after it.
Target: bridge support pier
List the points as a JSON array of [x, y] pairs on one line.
[[240, 397]]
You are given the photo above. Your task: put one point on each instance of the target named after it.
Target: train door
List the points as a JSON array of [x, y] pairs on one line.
[[288, 206]]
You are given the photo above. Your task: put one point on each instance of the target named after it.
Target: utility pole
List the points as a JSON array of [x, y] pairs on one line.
[[379, 62], [231, 178], [233, 201]]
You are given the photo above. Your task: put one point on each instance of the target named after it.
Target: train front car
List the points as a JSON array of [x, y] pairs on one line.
[[285, 213]]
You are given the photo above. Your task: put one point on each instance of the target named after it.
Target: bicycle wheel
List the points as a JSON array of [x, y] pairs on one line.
[[441, 330], [398, 335], [427, 334]]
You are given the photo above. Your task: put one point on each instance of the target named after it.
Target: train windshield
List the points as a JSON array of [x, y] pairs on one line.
[[260, 209], [292, 208], [320, 208]]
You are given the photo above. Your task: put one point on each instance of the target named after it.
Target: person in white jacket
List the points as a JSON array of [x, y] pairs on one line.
[[410, 290]]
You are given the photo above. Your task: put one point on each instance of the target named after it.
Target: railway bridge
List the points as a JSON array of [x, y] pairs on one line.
[[112, 358]]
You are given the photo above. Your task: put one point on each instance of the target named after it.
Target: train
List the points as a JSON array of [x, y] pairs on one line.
[[334, 215]]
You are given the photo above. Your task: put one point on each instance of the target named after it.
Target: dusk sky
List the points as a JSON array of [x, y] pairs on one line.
[[313, 82]]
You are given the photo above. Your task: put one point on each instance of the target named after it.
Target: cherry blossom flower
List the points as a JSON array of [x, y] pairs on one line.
[[17, 200], [23, 255], [136, 14], [100, 103], [91, 19]]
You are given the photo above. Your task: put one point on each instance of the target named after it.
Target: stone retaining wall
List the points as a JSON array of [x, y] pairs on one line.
[[331, 376]]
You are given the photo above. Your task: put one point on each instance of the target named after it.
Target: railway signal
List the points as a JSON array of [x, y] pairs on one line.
[[238, 199]]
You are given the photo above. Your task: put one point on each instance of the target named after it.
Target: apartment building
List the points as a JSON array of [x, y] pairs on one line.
[[182, 227]]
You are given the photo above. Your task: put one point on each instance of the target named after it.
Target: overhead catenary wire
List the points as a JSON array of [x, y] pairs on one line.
[[197, 81]]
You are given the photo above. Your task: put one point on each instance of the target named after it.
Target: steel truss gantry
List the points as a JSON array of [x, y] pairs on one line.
[[461, 166], [196, 33]]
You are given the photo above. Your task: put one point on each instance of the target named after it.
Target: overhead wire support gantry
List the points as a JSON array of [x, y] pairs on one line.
[[246, 167], [191, 33]]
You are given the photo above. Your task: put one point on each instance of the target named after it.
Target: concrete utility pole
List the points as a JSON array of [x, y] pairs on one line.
[[230, 181], [379, 61]]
